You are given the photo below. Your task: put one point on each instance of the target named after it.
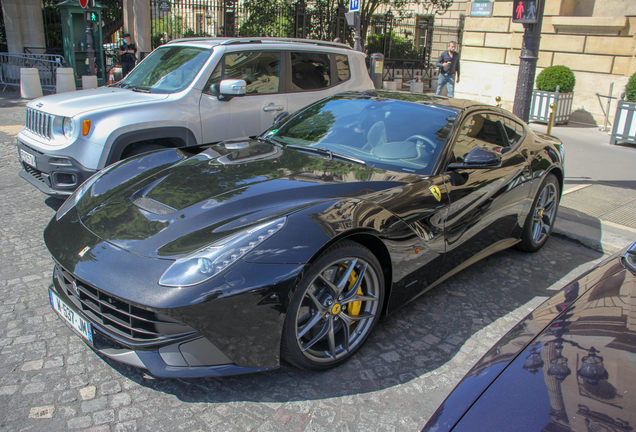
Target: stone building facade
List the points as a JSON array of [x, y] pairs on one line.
[[594, 38]]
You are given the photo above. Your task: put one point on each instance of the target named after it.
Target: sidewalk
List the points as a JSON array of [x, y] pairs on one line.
[[598, 208]]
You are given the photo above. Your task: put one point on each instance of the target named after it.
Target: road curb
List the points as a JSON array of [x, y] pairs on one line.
[[592, 232]]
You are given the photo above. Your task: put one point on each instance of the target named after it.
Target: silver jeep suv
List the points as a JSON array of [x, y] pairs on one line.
[[185, 93]]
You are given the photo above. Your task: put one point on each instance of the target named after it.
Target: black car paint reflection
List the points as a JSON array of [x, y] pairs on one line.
[[421, 219], [573, 372]]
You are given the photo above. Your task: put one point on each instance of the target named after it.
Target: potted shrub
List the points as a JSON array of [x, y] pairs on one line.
[[624, 128], [555, 84]]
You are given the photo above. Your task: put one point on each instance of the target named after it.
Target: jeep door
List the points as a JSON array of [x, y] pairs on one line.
[[245, 115], [315, 75]]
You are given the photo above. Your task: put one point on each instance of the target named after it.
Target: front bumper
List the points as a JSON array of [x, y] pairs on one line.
[[231, 324], [184, 354], [52, 174]]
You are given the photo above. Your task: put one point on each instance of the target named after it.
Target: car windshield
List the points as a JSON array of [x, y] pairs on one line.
[[383, 133], [167, 69]]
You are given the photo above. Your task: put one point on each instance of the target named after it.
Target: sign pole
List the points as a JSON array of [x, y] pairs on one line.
[[90, 52], [530, 14], [353, 18]]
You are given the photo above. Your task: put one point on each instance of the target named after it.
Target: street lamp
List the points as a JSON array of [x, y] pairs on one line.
[[592, 370]]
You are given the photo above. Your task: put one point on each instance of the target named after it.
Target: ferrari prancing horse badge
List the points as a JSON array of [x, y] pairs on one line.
[[436, 192]]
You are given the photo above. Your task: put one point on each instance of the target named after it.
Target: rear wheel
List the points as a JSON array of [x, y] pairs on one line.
[[334, 309], [540, 221]]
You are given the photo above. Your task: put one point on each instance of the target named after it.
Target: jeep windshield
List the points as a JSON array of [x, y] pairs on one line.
[[167, 69]]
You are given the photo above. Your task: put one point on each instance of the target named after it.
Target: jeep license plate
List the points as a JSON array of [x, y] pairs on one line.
[[28, 158]]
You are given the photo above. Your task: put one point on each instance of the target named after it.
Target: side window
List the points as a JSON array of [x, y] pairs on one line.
[[310, 71], [514, 131], [480, 130], [466, 140], [259, 69], [342, 67]]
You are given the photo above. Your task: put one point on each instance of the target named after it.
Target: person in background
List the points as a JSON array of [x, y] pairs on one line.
[[448, 64], [127, 52]]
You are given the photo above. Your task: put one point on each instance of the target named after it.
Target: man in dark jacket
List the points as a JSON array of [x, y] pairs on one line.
[[448, 64], [127, 52]]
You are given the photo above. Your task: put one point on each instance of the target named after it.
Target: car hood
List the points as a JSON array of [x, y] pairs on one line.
[[566, 367], [69, 104], [193, 202]]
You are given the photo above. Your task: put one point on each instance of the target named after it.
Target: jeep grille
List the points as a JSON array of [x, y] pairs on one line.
[[39, 123]]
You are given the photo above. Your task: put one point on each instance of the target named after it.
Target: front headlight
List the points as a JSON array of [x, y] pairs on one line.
[[206, 263], [68, 127]]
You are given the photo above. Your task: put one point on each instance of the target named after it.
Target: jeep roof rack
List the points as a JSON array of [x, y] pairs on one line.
[[242, 40]]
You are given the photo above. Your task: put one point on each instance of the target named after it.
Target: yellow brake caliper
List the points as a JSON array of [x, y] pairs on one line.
[[354, 307]]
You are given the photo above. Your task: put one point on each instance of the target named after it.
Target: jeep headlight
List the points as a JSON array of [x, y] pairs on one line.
[[68, 127], [206, 263]]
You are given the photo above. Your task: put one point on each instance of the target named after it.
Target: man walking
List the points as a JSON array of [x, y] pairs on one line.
[[448, 64], [127, 52]]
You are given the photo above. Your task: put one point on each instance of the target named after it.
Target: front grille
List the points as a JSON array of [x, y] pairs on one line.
[[39, 123], [34, 172], [122, 319]]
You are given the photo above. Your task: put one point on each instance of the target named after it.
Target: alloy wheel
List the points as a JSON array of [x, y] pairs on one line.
[[544, 213], [338, 310]]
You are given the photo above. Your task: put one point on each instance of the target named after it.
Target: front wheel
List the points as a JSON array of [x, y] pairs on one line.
[[540, 221], [334, 309]]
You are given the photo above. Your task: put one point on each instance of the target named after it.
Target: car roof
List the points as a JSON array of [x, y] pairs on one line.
[[211, 42]]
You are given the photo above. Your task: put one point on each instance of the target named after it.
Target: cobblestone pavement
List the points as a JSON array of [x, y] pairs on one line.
[[50, 380]]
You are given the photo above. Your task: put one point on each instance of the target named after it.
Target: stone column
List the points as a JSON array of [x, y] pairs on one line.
[[137, 23], [24, 25]]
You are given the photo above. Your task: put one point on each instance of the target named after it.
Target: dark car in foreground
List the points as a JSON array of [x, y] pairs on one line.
[[569, 366], [292, 244]]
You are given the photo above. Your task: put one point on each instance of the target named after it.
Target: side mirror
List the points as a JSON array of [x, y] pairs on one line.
[[481, 157], [280, 117], [229, 89]]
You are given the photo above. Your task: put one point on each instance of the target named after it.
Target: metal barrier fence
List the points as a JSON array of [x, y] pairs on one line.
[[47, 64]]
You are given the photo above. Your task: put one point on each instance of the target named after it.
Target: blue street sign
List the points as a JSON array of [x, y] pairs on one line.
[[354, 5]]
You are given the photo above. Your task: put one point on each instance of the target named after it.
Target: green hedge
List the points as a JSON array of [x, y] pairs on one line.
[[630, 89], [554, 76]]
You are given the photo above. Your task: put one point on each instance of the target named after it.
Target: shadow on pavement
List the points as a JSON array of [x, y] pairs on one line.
[[417, 339]]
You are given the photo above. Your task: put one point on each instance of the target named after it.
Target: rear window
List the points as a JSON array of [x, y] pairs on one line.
[[310, 71], [342, 66]]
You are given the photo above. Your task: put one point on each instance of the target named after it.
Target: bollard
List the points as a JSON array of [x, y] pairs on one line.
[[417, 87], [389, 85], [30, 86], [551, 118], [89, 82], [64, 80]]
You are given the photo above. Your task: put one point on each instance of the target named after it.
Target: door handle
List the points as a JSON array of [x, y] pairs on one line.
[[273, 108]]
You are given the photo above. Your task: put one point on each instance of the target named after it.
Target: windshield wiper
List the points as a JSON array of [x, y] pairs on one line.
[[326, 152], [136, 89], [269, 140]]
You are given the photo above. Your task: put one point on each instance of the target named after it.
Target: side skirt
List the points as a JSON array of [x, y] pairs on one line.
[[497, 247]]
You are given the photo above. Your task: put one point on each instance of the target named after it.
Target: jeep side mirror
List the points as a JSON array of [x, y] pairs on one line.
[[231, 88]]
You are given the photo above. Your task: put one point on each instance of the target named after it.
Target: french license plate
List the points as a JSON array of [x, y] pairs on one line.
[[28, 158], [78, 323]]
